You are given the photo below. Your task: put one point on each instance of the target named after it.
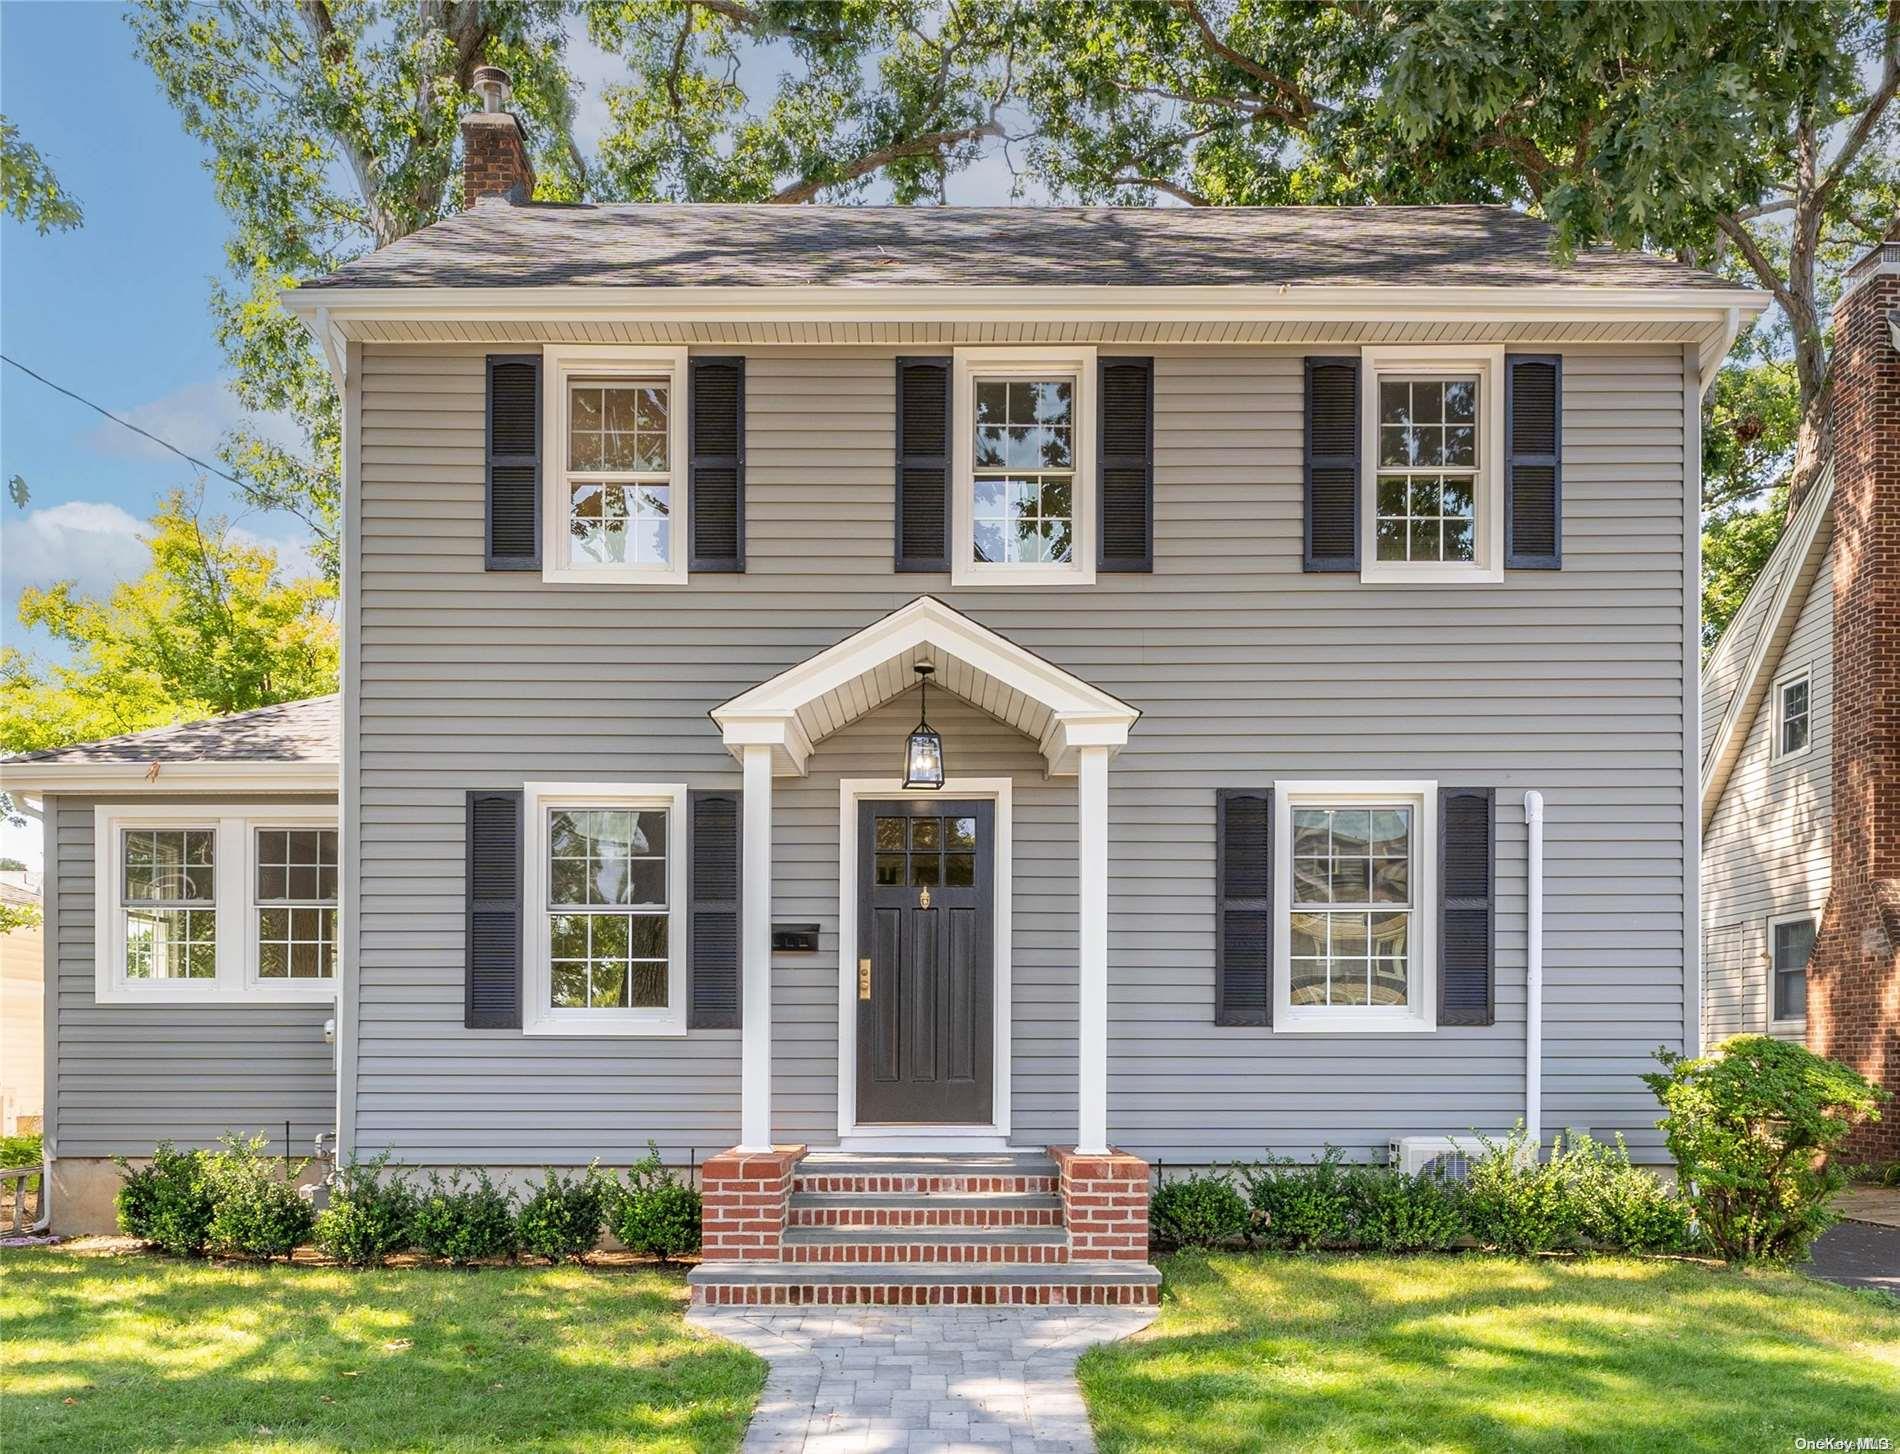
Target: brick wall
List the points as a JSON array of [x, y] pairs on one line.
[[1104, 1205], [1854, 975], [494, 158], [744, 1197]]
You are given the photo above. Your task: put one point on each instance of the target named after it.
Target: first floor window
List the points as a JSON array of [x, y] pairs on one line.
[[296, 903], [169, 899], [608, 912], [1351, 941], [1791, 730], [1791, 942]]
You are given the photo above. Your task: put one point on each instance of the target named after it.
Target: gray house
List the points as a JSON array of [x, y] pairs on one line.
[[1310, 601]]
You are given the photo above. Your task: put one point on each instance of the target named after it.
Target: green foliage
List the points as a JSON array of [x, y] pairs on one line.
[[168, 1203], [1619, 1206], [257, 1208], [21, 1150], [28, 189], [1198, 1211], [460, 1221], [1301, 1204], [1394, 1211], [369, 1215], [652, 1211], [1519, 1203], [561, 1217], [210, 628], [20, 916], [1750, 1126]]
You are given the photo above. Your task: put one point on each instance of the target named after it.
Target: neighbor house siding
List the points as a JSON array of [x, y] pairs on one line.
[[1246, 669], [1769, 844], [123, 1077]]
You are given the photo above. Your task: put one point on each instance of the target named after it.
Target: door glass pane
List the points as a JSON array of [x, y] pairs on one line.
[[962, 833], [890, 869], [924, 832], [890, 834], [959, 870], [924, 870]]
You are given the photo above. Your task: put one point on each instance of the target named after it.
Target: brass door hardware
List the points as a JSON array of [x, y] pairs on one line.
[[864, 979]]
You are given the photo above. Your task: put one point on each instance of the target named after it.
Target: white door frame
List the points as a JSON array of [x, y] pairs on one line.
[[876, 1137]]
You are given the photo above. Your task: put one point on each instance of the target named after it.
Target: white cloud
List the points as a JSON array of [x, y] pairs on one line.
[[193, 418], [93, 544]]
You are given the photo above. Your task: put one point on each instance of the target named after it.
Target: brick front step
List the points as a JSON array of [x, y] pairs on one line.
[[960, 1245], [895, 1209], [728, 1284], [851, 1173]]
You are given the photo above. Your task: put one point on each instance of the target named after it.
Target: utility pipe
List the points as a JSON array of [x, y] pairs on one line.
[[1534, 979]]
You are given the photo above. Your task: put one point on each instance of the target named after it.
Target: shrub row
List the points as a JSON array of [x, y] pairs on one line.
[[1585, 1195], [239, 1200]]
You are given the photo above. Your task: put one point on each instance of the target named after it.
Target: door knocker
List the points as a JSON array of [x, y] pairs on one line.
[[923, 898]]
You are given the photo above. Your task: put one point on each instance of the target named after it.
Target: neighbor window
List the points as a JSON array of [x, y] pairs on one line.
[[1025, 500], [1355, 870], [1790, 942], [230, 902], [616, 495], [1793, 711], [1432, 508], [606, 887]]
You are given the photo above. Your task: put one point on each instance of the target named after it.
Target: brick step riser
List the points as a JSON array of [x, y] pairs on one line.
[[914, 1253], [971, 1217], [925, 1295], [858, 1184]]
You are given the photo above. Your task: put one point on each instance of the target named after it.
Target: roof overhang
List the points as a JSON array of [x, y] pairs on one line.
[[806, 703], [40, 778]]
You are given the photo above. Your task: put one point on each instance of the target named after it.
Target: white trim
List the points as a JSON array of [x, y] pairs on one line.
[[1804, 674], [1031, 362], [1414, 361], [168, 777], [1081, 715], [566, 364], [1000, 790], [538, 1016], [1812, 916], [236, 951], [755, 951], [1422, 1014], [1091, 1030]]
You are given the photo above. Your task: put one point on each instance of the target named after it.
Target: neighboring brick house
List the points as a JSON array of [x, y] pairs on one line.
[[1801, 742]]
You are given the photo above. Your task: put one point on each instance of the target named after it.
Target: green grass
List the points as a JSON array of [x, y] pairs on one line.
[[137, 1353], [1491, 1353]]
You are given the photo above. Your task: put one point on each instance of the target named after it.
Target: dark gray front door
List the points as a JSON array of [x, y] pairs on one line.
[[926, 926]]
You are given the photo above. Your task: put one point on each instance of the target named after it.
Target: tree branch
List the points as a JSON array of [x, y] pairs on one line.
[[1868, 119], [755, 23], [1296, 107], [930, 143], [1162, 184], [1764, 270]]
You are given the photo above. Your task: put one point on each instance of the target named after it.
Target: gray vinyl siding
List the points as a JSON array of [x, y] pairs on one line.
[[1769, 845], [1246, 669], [121, 1078]]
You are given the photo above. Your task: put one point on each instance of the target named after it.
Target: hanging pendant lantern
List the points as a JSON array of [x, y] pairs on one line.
[[923, 749]]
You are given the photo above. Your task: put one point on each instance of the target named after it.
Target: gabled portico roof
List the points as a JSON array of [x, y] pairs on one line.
[[808, 702]]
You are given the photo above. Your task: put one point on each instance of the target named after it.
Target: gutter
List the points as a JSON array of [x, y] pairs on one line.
[[1534, 978]]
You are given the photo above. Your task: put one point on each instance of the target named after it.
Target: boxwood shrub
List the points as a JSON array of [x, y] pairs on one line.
[[168, 1202], [257, 1208], [561, 1217], [464, 1218], [652, 1211], [370, 1215], [1202, 1210]]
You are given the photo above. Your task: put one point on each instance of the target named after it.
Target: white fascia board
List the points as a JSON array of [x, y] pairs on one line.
[[169, 777], [936, 303]]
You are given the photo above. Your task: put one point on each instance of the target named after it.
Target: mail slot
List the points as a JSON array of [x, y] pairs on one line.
[[794, 938]]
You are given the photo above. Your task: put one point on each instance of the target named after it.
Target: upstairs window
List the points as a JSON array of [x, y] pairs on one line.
[[1790, 943], [1793, 714]]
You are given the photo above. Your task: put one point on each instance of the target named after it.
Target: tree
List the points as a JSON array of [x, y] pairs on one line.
[[212, 627], [1748, 441], [28, 188]]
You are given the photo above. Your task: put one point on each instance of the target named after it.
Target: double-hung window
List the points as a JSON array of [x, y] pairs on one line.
[[615, 505], [1794, 711], [225, 902], [606, 892], [1790, 943], [1355, 867], [1432, 505], [1023, 458]]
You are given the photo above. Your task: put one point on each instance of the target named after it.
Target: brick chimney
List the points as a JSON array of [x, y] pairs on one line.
[[1854, 973], [494, 151]]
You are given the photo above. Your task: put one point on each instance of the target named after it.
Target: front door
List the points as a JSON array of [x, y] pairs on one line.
[[926, 983]]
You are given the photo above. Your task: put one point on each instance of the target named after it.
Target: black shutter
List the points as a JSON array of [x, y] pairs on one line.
[[713, 998], [493, 998], [1125, 464], [1332, 464], [1243, 890], [715, 424], [923, 464], [513, 447], [1533, 461], [1467, 909]]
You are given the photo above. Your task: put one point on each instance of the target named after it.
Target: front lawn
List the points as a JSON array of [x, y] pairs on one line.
[[1492, 1353], [136, 1353]]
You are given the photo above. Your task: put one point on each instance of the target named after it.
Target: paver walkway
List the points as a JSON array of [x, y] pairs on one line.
[[872, 1379]]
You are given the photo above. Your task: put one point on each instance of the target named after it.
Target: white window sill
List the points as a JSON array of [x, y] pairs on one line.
[[1393, 574], [573, 575], [1020, 575], [1353, 1023], [214, 995], [584, 1025]]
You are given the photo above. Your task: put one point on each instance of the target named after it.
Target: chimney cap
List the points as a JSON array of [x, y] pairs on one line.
[[493, 85]]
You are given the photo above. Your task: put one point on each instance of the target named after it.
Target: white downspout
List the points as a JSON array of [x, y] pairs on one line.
[[1534, 978]]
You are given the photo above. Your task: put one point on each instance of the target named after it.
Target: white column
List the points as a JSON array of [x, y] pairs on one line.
[[755, 955], [1092, 941]]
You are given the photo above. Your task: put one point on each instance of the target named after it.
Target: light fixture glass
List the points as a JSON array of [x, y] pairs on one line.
[[923, 749]]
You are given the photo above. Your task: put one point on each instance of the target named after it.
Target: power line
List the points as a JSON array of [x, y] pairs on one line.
[[123, 423]]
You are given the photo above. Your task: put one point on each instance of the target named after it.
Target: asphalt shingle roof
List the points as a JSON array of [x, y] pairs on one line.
[[671, 245], [306, 731]]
